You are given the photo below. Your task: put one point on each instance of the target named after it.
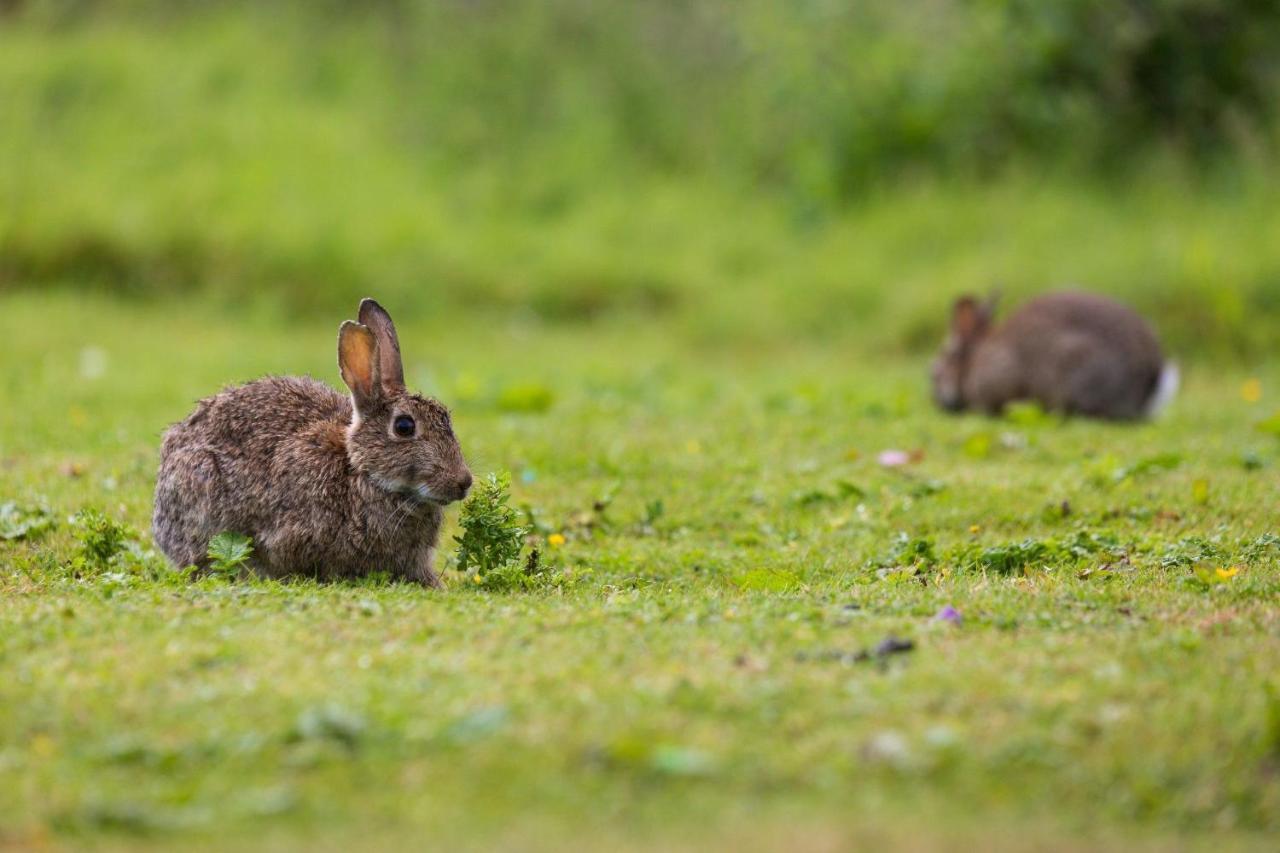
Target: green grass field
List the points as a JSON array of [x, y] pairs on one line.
[[689, 675]]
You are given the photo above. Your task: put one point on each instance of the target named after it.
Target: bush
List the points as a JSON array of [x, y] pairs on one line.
[[492, 535]]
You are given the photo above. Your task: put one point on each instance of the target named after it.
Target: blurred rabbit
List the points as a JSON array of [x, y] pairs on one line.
[[326, 485], [1071, 352]]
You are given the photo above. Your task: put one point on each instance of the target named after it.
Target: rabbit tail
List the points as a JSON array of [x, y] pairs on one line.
[[1166, 389]]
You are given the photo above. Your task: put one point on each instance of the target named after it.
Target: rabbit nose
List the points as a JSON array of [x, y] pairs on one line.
[[464, 484]]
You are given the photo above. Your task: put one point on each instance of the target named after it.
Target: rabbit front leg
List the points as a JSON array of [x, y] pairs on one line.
[[424, 572], [995, 378]]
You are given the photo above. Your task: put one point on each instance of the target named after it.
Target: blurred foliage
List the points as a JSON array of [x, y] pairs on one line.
[[814, 96], [750, 167], [1201, 71]]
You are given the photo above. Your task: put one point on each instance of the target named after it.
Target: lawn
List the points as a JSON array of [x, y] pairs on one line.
[[706, 661]]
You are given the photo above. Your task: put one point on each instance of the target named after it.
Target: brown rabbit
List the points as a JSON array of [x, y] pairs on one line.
[[327, 486], [1071, 352]]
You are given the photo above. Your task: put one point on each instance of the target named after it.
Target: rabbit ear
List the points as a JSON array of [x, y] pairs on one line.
[[358, 361], [377, 319], [968, 318]]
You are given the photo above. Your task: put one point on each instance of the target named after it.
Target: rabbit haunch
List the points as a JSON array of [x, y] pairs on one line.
[[1071, 352], [326, 485]]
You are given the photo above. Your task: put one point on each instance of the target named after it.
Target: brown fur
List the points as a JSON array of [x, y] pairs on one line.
[[279, 460], [1071, 352]]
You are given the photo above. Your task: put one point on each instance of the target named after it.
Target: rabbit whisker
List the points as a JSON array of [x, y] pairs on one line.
[[405, 510]]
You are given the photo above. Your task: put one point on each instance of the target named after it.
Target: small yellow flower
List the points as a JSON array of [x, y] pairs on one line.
[[1228, 574], [975, 528], [555, 540], [476, 579], [1251, 390]]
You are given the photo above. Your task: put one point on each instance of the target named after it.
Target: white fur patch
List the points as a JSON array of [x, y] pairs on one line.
[[1166, 389], [420, 493], [386, 484], [355, 420]]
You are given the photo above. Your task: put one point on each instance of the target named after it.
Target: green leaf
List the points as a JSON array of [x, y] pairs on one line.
[[24, 522], [1158, 462], [229, 551], [1013, 557], [907, 552], [844, 490]]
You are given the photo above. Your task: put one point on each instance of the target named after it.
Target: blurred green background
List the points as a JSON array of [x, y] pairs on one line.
[[741, 171]]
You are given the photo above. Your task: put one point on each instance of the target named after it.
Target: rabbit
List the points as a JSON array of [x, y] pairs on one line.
[[1072, 352], [327, 486]]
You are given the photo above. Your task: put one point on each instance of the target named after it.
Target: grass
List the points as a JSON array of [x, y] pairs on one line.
[[700, 671]]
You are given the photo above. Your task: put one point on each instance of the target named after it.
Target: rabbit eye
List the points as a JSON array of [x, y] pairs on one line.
[[404, 426]]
